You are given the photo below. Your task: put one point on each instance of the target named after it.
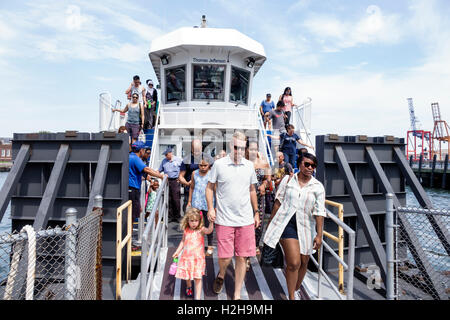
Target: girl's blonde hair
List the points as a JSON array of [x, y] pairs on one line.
[[191, 213]]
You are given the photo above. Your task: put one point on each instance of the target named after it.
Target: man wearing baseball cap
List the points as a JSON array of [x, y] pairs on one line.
[[136, 168], [171, 165]]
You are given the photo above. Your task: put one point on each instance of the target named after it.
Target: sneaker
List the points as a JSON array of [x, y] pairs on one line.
[[217, 285], [189, 292]]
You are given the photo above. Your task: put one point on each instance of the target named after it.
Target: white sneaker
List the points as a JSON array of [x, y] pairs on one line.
[[297, 295]]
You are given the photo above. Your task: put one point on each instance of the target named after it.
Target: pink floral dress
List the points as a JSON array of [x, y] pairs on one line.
[[192, 263]]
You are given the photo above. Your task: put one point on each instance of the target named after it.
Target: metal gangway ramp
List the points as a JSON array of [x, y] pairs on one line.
[[260, 283]]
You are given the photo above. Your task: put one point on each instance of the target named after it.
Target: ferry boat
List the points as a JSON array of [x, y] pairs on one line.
[[206, 78]]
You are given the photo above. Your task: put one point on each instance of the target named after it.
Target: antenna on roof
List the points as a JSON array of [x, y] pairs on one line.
[[203, 25]]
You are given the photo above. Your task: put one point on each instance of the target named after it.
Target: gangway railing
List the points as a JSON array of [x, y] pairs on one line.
[[263, 136], [120, 243], [349, 266], [153, 239], [339, 240], [300, 124], [155, 140]]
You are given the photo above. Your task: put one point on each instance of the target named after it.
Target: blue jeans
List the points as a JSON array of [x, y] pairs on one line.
[[291, 158]]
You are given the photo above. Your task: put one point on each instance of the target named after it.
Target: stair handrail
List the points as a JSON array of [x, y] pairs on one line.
[[263, 132], [152, 244], [155, 140], [349, 266], [298, 109]]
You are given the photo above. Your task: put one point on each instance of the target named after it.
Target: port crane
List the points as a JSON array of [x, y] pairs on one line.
[[416, 139], [440, 135]]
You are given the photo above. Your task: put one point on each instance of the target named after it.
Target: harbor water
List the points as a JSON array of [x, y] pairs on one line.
[[440, 199]]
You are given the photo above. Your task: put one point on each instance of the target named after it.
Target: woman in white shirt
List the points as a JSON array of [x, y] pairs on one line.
[[297, 221]]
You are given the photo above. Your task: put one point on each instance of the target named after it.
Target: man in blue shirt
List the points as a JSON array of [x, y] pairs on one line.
[[135, 170], [170, 165], [288, 145]]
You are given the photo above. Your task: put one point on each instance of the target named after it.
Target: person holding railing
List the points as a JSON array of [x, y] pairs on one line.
[[135, 170], [135, 111], [288, 144], [297, 221]]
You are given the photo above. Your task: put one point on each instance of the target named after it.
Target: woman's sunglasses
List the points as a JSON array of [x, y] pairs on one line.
[[135, 97], [239, 148], [307, 165]]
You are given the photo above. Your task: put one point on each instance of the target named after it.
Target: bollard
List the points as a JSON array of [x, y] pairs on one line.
[[444, 173], [389, 230], [98, 201], [433, 167], [70, 256]]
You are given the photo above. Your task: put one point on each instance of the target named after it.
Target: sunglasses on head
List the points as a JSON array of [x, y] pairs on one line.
[[239, 148], [307, 165]]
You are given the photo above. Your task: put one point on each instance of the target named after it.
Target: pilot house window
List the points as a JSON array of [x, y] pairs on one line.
[[208, 82], [176, 84], [239, 85]]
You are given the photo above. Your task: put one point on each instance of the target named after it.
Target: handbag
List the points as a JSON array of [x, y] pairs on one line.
[[272, 257]]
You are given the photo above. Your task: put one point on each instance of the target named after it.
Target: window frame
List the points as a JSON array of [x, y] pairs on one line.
[[185, 84], [224, 81], [248, 85]]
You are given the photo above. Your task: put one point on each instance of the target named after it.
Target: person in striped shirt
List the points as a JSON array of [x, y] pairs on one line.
[[297, 221]]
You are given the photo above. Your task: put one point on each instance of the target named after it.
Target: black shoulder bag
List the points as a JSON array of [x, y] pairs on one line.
[[273, 257]]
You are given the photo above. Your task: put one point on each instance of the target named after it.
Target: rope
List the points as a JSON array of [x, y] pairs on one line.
[[31, 272], [13, 272], [15, 264]]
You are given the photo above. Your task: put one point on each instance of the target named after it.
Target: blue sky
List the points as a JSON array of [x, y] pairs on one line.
[[357, 60]]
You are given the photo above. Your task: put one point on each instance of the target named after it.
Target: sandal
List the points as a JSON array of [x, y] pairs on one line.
[[189, 292], [210, 251]]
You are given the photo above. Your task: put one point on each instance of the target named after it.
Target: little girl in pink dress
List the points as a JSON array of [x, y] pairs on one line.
[[192, 264]]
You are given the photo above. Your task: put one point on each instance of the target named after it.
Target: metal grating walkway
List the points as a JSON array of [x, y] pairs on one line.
[[261, 283]]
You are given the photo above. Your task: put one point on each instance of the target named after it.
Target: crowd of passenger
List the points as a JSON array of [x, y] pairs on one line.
[[232, 194]]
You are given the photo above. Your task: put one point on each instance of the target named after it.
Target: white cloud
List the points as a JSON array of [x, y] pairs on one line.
[[373, 27], [60, 32], [6, 32]]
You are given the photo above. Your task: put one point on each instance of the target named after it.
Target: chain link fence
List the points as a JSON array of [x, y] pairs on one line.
[[422, 268], [53, 264]]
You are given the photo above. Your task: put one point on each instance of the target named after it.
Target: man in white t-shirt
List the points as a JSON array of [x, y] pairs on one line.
[[237, 211]]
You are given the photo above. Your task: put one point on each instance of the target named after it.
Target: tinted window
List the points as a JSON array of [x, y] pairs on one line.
[[239, 85], [176, 84], [208, 82]]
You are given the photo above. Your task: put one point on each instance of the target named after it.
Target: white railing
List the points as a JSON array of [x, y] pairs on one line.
[[267, 151], [153, 239], [301, 119], [155, 148], [212, 117], [109, 120]]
